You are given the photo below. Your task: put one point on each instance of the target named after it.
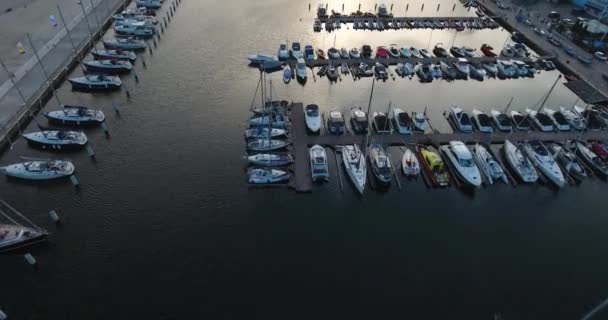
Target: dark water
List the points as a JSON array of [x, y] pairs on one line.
[[164, 227]]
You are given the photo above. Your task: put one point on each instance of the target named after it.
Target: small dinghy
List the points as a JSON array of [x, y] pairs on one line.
[[270, 160], [409, 163], [96, 83], [118, 54], [501, 121], [56, 139], [266, 176], [482, 121], [39, 169], [354, 164], [287, 74], [519, 164], [489, 167], [393, 51], [544, 162], [108, 66], [125, 44], [318, 163], [76, 116], [569, 162], [265, 144], [262, 132]]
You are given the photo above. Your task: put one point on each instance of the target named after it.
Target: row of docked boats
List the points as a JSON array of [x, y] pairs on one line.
[[380, 23]]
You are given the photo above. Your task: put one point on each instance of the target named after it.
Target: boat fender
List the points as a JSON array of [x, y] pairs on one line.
[[30, 259]]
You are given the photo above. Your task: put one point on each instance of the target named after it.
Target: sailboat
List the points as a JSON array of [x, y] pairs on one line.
[[17, 235]]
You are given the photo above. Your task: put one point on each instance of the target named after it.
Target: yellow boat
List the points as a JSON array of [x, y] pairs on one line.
[[435, 166]]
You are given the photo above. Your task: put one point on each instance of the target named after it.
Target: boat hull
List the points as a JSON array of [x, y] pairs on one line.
[[80, 86], [54, 146]]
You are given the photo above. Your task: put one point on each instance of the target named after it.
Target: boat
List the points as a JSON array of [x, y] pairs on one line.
[[332, 72], [266, 144], [488, 165], [462, 68], [415, 53], [301, 71], [313, 118], [461, 160], [477, 71], [333, 53], [559, 120], [520, 50], [309, 52], [457, 52], [321, 54], [491, 69], [296, 50], [436, 71], [488, 50], [76, 115], [425, 53], [460, 119], [394, 51], [125, 44], [137, 29], [600, 150], [471, 52], [380, 71], [519, 164], [440, 52], [405, 52], [278, 121], [402, 121], [592, 118], [14, 236], [56, 139], [424, 72], [419, 121], [508, 52], [358, 120], [118, 54], [344, 53], [335, 123], [506, 69], [39, 169], [409, 163], [482, 121], [568, 161], [283, 53], [108, 66], [367, 70], [266, 61], [321, 11], [262, 132], [149, 4], [366, 51], [595, 163], [404, 69], [381, 123], [435, 166], [354, 164], [574, 119], [95, 83], [381, 164], [540, 120], [501, 121], [521, 122], [354, 53], [382, 53], [270, 159], [266, 176], [544, 162], [287, 74], [318, 163], [520, 67], [447, 71]]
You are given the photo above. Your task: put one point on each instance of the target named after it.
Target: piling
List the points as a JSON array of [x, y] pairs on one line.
[[135, 76], [30, 259], [126, 88], [104, 126], [90, 152], [2, 315], [54, 216]]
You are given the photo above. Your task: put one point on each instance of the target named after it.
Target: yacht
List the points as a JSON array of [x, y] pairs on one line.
[[521, 122], [313, 118], [150, 4], [491, 69], [506, 69], [541, 120], [405, 52], [544, 162], [309, 52], [318, 163], [440, 52], [462, 68], [56, 139], [381, 123], [354, 53], [358, 120], [404, 69], [462, 161], [265, 144], [501, 121], [574, 119], [409, 163], [591, 117], [435, 165], [39, 169], [262, 132], [558, 118], [520, 164], [482, 121], [335, 123], [76, 116], [266, 176], [460, 119], [270, 159], [301, 70], [488, 165], [354, 164], [283, 53], [402, 121], [118, 54], [595, 163], [381, 164], [296, 50], [419, 121], [96, 82], [125, 44], [569, 162]]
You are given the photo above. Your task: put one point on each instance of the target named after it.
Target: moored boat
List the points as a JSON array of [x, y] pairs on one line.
[[501, 121], [541, 120], [461, 160], [460, 119], [544, 162], [488, 165], [56, 139], [125, 44], [312, 116], [318, 163], [435, 166], [266, 176], [358, 120], [270, 159], [409, 163], [519, 163], [108, 66], [117, 54], [402, 121], [265, 144], [76, 115], [568, 161], [354, 164], [335, 123], [574, 119], [521, 122], [39, 169], [482, 121], [381, 164], [419, 121], [595, 163], [96, 83], [263, 132], [558, 118]]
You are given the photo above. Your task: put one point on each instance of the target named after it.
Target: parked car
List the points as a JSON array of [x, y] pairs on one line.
[[601, 56]]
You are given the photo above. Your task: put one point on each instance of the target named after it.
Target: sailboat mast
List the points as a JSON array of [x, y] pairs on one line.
[[508, 105], [549, 93], [369, 106]]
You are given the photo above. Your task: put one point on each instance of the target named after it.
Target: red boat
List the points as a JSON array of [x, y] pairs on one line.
[[382, 53], [599, 150], [487, 50]]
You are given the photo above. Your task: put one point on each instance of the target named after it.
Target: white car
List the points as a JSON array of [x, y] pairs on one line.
[[601, 56]]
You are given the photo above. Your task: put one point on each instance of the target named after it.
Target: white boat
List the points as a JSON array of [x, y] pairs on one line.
[[150, 4], [313, 118], [462, 162], [482, 121], [501, 121], [544, 162], [505, 69], [301, 71], [274, 120], [489, 167], [541, 120], [56, 139], [569, 162], [354, 164], [13, 236], [296, 50], [265, 144], [139, 29], [521, 122], [595, 163], [286, 74], [462, 67], [309, 52], [266, 176], [354, 53], [471, 52], [575, 120], [419, 121], [283, 53], [39, 169], [318, 163], [270, 159], [335, 122], [358, 120], [402, 121], [405, 52], [559, 120], [461, 119], [262, 132], [381, 164], [520, 164], [267, 61], [409, 163]]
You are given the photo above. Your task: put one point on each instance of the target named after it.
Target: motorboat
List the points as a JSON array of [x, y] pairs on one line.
[[574, 119], [521, 122], [592, 160], [318, 163], [508, 52], [402, 121], [409, 163], [568, 161], [382, 53], [558, 118], [436, 71], [95, 83], [448, 71], [39, 169], [278, 121], [405, 52], [520, 50], [335, 122], [313, 118], [591, 117], [506, 69], [424, 72], [521, 68], [149, 4], [381, 164], [354, 164], [367, 70], [263, 132], [383, 11], [118, 54], [419, 121], [287, 74], [477, 71], [267, 61], [394, 51], [435, 165], [488, 165], [14, 236], [544, 162], [56, 139], [380, 71], [540, 120], [125, 44], [309, 52], [457, 52], [381, 123], [482, 121], [296, 50], [354, 53], [76, 116], [270, 159], [344, 53], [358, 120], [301, 70], [332, 72], [491, 69], [137, 29], [461, 160], [283, 53], [488, 50], [266, 176], [425, 53], [440, 52], [501, 121], [405, 69], [519, 163], [460, 119], [108, 66], [462, 68], [366, 51], [415, 53], [333, 53], [471, 52], [266, 144], [321, 54]]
